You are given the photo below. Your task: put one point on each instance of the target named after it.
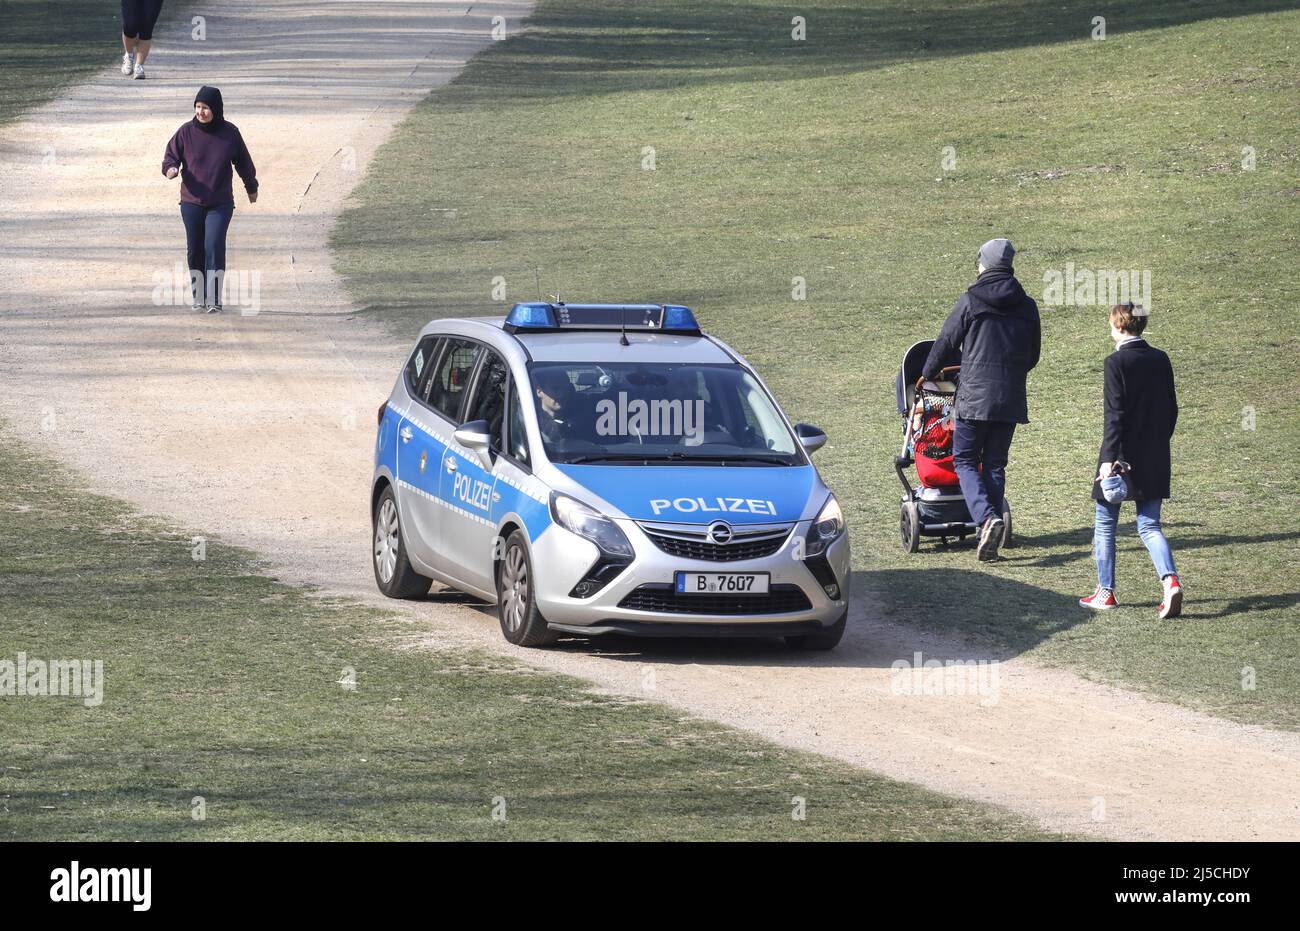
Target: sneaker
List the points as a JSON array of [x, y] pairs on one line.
[[128, 63], [1103, 599], [214, 309], [139, 72], [990, 537], [1172, 605]]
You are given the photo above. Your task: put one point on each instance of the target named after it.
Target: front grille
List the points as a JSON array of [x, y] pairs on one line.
[[663, 598], [692, 541]]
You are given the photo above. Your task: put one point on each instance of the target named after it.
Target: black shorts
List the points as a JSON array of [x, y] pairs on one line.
[[138, 17]]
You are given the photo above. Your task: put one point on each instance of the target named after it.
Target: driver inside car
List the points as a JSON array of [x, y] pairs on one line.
[[554, 396]]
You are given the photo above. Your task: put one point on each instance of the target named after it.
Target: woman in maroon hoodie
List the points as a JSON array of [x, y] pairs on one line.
[[203, 152]]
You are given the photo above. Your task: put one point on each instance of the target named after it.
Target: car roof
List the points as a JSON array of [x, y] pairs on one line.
[[589, 345]]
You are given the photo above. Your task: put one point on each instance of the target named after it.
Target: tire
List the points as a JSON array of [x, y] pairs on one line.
[[521, 623], [1006, 523], [393, 572], [825, 639], [909, 526]]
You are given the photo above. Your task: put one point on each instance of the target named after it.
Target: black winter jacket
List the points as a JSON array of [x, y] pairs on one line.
[[995, 333], [1140, 414]]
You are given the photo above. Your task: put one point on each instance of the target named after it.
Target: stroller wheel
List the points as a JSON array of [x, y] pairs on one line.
[[1006, 523], [909, 526]]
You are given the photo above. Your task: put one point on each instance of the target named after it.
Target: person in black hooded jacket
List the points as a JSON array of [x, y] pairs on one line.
[[995, 334], [206, 152]]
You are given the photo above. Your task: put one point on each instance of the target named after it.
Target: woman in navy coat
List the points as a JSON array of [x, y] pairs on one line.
[[1140, 413]]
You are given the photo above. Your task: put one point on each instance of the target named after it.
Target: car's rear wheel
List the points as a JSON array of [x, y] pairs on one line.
[[393, 572], [521, 622], [825, 639]]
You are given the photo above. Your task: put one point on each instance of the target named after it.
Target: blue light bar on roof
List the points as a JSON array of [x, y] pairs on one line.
[[679, 318], [666, 318], [531, 316]]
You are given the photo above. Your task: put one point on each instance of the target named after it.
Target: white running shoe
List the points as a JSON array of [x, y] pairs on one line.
[[128, 63], [139, 72]]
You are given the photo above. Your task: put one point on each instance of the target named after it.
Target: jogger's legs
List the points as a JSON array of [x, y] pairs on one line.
[[138, 20], [1148, 521], [1103, 543]]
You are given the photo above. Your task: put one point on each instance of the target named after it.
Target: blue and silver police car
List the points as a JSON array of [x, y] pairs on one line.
[[604, 468]]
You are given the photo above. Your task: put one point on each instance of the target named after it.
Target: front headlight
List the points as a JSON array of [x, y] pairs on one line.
[[828, 525], [573, 515]]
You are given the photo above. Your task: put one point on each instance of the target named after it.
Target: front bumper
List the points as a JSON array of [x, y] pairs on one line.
[[561, 559]]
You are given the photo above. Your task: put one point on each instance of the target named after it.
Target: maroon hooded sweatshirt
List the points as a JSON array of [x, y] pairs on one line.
[[205, 154]]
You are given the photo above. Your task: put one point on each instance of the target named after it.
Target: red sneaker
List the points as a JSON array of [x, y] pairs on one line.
[[1172, 605], [1103, 599]]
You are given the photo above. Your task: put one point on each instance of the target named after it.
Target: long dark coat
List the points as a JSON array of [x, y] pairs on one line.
[[1140, 413]]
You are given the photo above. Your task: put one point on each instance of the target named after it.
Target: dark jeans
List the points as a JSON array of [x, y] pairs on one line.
[[205, 248], [985, 443]]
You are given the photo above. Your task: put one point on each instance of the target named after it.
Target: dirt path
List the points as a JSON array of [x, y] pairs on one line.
[[259, 428]]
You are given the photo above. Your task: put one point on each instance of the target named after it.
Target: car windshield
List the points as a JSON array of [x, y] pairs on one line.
[[658, 412]]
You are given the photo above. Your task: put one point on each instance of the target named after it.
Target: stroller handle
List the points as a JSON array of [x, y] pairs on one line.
[[946, 369]]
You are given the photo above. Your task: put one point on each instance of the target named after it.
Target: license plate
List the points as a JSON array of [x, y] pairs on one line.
[[722, 583]]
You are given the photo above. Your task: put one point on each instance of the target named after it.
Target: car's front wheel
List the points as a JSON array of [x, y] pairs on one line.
[[393, 572], [521, 622]]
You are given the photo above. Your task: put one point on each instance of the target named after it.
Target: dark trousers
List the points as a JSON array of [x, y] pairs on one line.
[[205, 248], [139, 18], [979, 454]]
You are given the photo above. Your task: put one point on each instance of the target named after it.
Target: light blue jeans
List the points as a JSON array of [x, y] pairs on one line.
[[1103, 540]]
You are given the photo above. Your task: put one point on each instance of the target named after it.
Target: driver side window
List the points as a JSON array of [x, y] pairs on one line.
[[516, 433], [489, 399]]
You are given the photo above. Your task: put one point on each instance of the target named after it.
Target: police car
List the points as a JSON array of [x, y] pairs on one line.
[[602, 468]]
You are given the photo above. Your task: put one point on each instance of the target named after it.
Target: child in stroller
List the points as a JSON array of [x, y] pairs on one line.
[[936, 508]]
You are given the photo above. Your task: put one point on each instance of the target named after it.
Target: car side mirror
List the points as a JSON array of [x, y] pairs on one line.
[[810, 437], [475, 437]]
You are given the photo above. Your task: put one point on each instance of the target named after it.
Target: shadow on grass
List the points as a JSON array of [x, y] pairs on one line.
[[590, 49], [1081, 539], [962, 615]]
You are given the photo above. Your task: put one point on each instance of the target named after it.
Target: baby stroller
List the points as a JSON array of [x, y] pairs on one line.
[[936, 508]]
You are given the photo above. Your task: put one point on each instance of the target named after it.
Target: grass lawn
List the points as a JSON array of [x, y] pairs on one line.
[[694, 152], [224, 684]]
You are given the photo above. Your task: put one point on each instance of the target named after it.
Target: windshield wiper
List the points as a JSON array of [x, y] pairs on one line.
[[607, 458], [740, 457]]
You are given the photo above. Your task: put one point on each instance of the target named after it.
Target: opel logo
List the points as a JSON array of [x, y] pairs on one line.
[[720, 532]]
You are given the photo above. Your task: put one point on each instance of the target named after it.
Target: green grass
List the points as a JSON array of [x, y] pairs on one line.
[[223, 683], [821, 159]]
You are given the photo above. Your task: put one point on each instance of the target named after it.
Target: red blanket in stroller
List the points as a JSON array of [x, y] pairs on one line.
[[932, 428]]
